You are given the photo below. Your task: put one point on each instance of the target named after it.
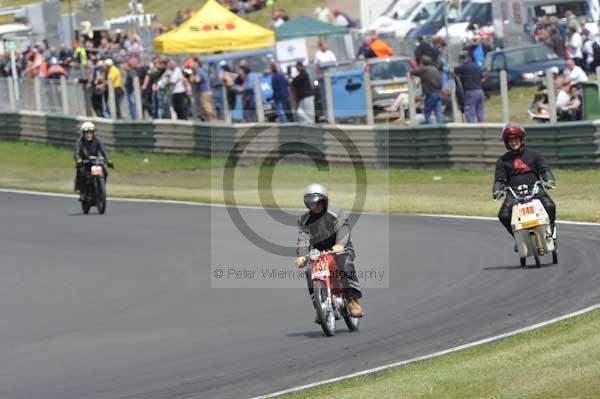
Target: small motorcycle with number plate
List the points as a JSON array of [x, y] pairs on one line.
[[531, 225], [329, 299]]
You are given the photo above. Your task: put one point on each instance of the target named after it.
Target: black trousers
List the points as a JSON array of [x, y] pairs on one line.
[[505, 213], [180, 105], [347, 274]]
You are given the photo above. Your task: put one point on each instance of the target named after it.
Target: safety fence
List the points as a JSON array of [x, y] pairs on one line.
[[575, 144]]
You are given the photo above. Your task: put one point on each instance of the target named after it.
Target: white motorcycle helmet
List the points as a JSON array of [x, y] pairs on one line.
[[314, 193], [86, 127]]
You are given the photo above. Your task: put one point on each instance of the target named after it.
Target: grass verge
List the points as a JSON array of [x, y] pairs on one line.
[[180, 177], [557, 361]]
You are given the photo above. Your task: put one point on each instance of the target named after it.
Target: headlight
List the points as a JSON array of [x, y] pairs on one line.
[[529, 76], [379, 90], [316, 82]]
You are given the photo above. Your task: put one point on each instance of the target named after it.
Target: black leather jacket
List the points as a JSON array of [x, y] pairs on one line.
[[85, 149]]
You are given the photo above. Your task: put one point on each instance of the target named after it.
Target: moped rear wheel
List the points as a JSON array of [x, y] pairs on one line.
[[554, 257], [534, 250], [324, 308], [523, 262]]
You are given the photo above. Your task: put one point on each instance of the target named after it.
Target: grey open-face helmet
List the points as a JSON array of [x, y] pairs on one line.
[[314, 193]]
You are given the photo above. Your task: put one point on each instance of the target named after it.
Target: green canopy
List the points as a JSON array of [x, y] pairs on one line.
[[307, 27]]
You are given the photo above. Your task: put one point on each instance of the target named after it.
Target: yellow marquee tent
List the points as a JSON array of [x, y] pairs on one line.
[[214, 28]]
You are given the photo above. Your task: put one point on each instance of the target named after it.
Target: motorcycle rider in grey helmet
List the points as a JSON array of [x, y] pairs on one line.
[[326, 227]]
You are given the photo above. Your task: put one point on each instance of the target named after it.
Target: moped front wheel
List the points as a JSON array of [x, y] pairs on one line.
[[85, 207], [324, 308], [536, 256], [100, 195]]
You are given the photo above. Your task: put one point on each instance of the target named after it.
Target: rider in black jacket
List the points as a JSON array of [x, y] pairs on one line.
[[520, 166], [87, 145], [325, 227]]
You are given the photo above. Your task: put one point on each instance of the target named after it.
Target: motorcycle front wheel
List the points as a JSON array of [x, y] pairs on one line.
[[100, 195], [351, 322], [324, 308], [85, 207]]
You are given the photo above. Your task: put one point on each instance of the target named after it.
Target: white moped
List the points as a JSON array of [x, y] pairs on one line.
[[531, 225]]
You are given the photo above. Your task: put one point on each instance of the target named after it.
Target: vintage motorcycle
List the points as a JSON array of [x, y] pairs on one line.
[[330, 299], [94, 188]]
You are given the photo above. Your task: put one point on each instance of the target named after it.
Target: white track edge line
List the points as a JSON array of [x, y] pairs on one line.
[[431, 355], [191, 203]]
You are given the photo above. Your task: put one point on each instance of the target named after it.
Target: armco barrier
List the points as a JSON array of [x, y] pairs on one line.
[[454, 145]]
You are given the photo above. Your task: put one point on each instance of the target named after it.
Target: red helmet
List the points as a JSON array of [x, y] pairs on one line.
[[513, 130]]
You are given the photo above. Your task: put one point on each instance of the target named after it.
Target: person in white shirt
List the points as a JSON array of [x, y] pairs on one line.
[[574, 74], [574, 46], [173, 77], [322, 13], [340, 18], [324, 56]]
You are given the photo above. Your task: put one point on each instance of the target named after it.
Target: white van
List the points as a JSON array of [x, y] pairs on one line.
[[402, 20], [475, 16]]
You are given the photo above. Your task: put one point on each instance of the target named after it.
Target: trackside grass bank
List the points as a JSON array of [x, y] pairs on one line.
[[190, 178], [557, 361]]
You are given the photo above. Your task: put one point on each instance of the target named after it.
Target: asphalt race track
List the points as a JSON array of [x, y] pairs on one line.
[[121, 305]]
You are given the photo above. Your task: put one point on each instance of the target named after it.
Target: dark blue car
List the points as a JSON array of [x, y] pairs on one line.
[[525, 66]]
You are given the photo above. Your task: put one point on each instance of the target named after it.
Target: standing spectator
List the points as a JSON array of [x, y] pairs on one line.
[[324, 56], [322, 13], [588, 52], [380, 48], [304, 95], [134, 70], [431, 83], [574, 74], [364, 51], [80, 54], [178, 18], [556, 42], [424, 49], [161, 91], [470, 77], [148, 96], [114, 75], [203, 94], [39, 68], [98, 87], [574, 46], [281, 93], [342, 19], [173, 78], [477, 51], [245, 88], [278, 19]]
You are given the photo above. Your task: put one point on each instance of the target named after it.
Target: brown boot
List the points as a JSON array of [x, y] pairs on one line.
[[354, 308]]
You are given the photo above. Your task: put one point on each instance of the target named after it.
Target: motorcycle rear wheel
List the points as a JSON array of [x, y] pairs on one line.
[[534, 250], [324, 309], [554, 257], [523, 262]]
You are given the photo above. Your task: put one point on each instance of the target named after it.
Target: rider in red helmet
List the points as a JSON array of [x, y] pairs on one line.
[[520, 165]]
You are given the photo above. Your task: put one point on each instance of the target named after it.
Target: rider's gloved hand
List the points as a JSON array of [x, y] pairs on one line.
[[78, 161], [300, 262], [338, 249], [550, 184], [111, 164], [498, 194]]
